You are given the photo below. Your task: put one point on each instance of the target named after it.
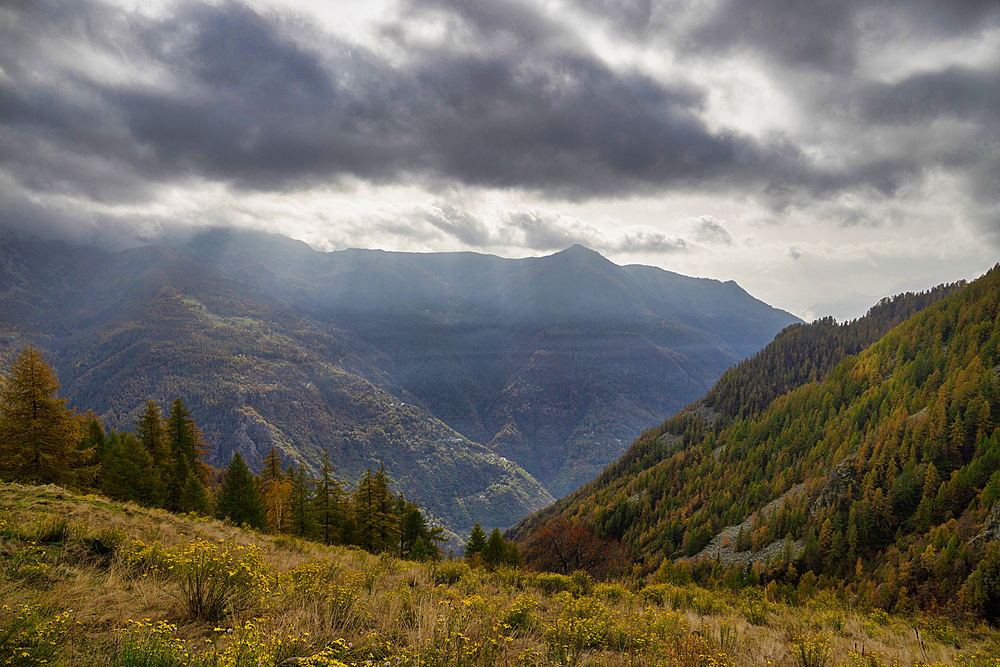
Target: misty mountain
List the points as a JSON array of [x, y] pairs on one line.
[[486, 385], [556, 362]]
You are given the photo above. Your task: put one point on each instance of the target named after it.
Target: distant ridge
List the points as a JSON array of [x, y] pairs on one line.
[[487, 386]]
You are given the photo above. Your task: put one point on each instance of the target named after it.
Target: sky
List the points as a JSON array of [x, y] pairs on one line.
[[821, 154]]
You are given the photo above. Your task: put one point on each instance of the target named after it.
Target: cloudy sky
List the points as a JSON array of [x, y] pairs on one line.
[[822, 154]]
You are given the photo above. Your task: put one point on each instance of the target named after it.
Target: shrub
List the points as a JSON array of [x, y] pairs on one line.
[[215, 579], [54, 530], [450, 572], [550, 582], [610, 592], [835, 620], [522, 612], [657, 593], [813, 651], [753, 604], [939, 629], [145, 644], [31, 635], [106, 541]]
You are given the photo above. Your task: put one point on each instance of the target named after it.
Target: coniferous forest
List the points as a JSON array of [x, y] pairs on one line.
[[875, 475]]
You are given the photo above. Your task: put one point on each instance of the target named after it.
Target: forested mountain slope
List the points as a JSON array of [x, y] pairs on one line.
[[893, 455]]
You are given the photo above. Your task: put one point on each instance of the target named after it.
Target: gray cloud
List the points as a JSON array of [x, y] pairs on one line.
[[247, 105], [959, 93], [711, 231], [461, 225], [511, 99], [817, 34]]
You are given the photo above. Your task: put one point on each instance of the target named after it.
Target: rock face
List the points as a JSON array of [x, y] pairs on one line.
[[722, 545], [991, 529]]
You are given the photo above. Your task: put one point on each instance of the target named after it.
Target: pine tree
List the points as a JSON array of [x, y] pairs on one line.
[[186, 449], [239, 501], [302, 519], [39, 435], [375, 522], [476, 542], [151, 431], [128, 473], [329, 504]]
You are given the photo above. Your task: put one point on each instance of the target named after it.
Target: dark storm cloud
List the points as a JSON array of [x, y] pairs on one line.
[[509, 99], [243, 103]]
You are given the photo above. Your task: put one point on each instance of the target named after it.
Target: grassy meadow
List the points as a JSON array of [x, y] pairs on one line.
[[86, 581]]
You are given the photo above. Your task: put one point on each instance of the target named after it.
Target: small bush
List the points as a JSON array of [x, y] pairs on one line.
[[939, 629], [145, 644], [216, 579], [753, 603], [105, 542], [29, 564], [657, 593], [550, 582], [879, 617], [450, 572], [54, 530], [31, 635], [813, 651], [835, 620], [610, 592], [522, 612]]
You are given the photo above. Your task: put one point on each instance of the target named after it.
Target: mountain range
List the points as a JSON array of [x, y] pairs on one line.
[[487, 386]]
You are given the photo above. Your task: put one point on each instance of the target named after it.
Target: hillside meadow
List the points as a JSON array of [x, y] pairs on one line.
[[86, 581]]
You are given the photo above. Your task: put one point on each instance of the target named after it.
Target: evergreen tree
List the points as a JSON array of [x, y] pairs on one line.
[[39, 435], [186, 449], [477, 541], [128, 473], [375, 522], [329, 503], [499, 551], [151, 431], [239, 501]]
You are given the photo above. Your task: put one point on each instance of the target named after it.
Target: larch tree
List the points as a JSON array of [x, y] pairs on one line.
[[39, 435], [277, 491], [329, 503], [376, 523]]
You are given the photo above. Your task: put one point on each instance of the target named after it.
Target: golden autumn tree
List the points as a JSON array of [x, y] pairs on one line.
[[277, 492], [39, 435]]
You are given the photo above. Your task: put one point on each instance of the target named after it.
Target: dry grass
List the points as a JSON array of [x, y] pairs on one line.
[[359, 607]]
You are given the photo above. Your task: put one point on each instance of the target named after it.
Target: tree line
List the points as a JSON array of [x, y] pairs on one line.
[[161, 464]]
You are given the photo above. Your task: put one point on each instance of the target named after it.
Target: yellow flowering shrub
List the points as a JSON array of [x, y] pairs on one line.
[[31, 635], [216, 579], [811, 650], [522, 612]]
